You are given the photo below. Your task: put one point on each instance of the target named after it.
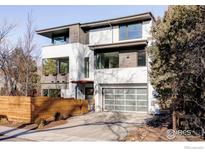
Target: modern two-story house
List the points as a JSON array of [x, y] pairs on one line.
[[104, 60]]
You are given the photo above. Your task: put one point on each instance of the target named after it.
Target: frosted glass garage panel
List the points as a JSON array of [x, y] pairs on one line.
[[142, 91], [125, 99], [109, 108]]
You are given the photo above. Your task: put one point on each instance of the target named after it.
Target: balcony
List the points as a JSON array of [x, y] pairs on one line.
[[60, 79], [55, 70]]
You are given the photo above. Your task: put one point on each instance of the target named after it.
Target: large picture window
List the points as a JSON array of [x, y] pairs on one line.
[[107, 60], [49, 66], [121, 59], [56, 66], [130, 31]]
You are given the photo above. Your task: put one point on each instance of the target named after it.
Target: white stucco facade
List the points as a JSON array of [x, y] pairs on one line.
[[118, 77], [125, 77], [76, 53], [128, 77], [110, 34]]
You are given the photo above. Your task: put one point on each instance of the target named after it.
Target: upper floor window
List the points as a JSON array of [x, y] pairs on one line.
[[49, 67], [107, 60], [130, 31], [56, 66], [63, 66], [141, 58], [121, 59], [59, 39], [86, 67]]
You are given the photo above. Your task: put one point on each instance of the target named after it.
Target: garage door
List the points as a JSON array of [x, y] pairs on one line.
[[125, 99]]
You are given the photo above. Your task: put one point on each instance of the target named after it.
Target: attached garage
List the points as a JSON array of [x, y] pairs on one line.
[[129, 99]]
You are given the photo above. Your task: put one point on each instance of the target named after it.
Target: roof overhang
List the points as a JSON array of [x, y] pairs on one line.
[[97, 24], [82, 81], [117, 21], [119, 45], [49, 32]]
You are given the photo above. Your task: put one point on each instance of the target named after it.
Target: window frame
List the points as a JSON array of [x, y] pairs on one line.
[[127, 31], [48, 91], [59, 65], [100, 63], [65, 39], [145, 55]]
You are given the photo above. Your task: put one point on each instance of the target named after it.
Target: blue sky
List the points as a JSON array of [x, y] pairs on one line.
[[50, 16]]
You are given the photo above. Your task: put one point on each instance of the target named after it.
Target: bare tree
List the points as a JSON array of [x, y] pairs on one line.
[[17, 64], [28, 46], [6, 64]]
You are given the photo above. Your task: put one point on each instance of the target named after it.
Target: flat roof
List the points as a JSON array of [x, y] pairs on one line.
[[54, 30], [96, 24], [120, 20]]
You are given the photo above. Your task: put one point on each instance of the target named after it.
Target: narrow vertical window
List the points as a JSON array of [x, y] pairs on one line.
[[86, 67], [141, 58]]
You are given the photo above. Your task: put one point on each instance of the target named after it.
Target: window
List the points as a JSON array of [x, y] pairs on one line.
[[123, 59], [141, 58], [56, 66], [122, 32], [49, 67], [107, 60], [60, 39], [63, 66], [134, 31], [86, 67], [52, 92], [130, 31], [45, 92]]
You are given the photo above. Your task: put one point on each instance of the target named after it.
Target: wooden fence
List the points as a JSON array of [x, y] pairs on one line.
[[30, 109], [16, 108]]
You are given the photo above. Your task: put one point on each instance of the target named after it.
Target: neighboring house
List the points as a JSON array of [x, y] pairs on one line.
[[104, 60]]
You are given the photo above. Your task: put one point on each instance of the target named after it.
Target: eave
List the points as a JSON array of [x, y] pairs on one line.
[[119, 45]]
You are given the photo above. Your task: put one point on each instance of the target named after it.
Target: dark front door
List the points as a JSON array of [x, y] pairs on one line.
[[89, 96]]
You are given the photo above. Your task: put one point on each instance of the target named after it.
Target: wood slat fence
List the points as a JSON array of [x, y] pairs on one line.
[[29, 109]]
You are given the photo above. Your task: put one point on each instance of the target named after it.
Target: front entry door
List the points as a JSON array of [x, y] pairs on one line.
[[89, 96]]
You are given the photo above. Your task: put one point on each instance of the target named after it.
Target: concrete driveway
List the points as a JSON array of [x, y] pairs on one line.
[[101, 126]]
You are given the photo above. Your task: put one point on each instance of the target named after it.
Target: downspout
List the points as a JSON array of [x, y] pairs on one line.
[[111, 29]]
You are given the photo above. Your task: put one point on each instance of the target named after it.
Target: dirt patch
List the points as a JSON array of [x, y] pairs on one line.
[[156, 129], [147, 133], [54, 124]]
